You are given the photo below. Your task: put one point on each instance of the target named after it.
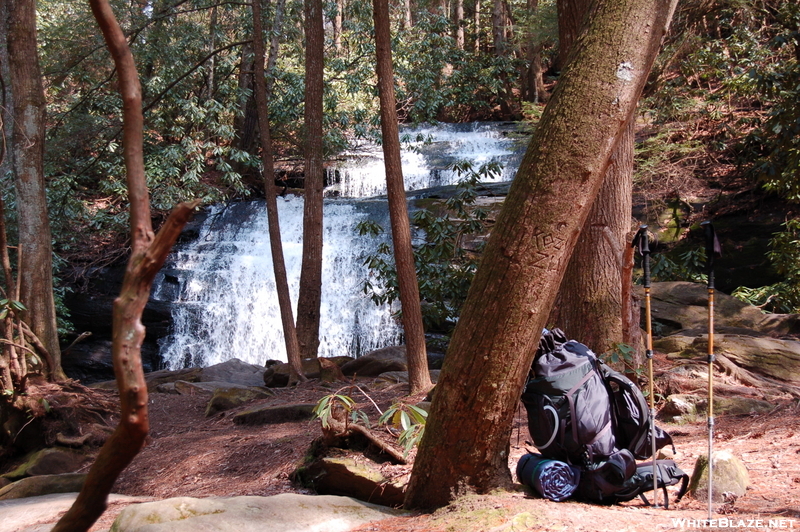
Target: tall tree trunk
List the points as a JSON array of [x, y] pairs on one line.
[[148, 253], [571, 16], [245, 125], [527, 253], [338, 19], [210, 87], [459, 23], [309, 300], [477, 24], [27, 142], [534, 79], [589, 306], [407, 20], [499, 28], [418, 375], [262, 91]]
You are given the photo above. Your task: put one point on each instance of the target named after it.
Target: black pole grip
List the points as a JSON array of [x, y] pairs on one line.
[[713, 250], [642, 242]]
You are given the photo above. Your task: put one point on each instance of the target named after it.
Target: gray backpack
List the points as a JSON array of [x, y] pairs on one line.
[[581, 411]]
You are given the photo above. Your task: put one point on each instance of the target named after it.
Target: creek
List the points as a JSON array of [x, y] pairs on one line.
[[220, 285]]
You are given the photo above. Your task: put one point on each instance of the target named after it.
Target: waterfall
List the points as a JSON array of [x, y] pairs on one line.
[[221, 284]]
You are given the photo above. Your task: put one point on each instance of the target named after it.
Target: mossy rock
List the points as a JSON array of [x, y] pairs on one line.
[[43, 485], [360, 479], [730, 476], [50, 461], [265, 415], [232, 397]]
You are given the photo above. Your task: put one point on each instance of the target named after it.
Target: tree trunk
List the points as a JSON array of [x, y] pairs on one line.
[[148, 253], [293, 355], [527, 253], [459, 23], [590, 305], [571, 17], [309, 300], [35, 268], [477, 24], [337, 21], [418, 374], [499, 27], [534, 79], [245, 125]]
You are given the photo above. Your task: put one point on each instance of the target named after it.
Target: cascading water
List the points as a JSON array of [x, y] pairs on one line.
[[221, 285]]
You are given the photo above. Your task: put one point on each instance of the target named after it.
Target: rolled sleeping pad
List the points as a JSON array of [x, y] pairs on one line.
[[552, 479]]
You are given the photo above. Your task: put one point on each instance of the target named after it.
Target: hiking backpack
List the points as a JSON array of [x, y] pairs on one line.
[[582, 412]]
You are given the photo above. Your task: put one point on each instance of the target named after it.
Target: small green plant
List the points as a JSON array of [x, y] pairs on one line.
[[338, 406], [622, 353], [410, 420], [689, 266]]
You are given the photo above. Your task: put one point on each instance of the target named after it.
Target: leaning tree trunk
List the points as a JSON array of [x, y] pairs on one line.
[[309, 299], [276, 245], [527, 253], [35, 268], [418, 375], [148, 253]]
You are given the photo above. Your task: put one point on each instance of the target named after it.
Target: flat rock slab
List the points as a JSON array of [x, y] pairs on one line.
[[287, 512], [39, 514], [264, 415]]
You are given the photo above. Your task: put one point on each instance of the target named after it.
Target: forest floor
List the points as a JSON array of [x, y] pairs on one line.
[[189, 454]]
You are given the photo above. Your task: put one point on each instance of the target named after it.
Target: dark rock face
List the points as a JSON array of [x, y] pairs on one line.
[[91, 309], [90, 361]]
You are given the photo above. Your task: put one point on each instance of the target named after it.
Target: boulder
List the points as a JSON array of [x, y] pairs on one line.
[[730, 476], [43, 485], [277, 375], [685, 407], [392, 358], [209, 387], [360, 479], [288, 512], [265, 415], [233, 371], [774, 358], [679, 306], [156, 378], [50, 461], [226, 398]]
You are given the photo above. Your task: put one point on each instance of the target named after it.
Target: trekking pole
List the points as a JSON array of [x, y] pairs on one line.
[[642, 242], [713, 250]]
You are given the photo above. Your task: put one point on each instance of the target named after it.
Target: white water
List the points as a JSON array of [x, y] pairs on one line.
[[428, 154], [222, 284]]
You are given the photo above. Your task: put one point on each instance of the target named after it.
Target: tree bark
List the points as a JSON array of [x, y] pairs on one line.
[[418, 375], [309, 300], [590, 305], [276, 245], [533, 82], [458, 20], [527, 253], [148, 253], [35, 269]]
